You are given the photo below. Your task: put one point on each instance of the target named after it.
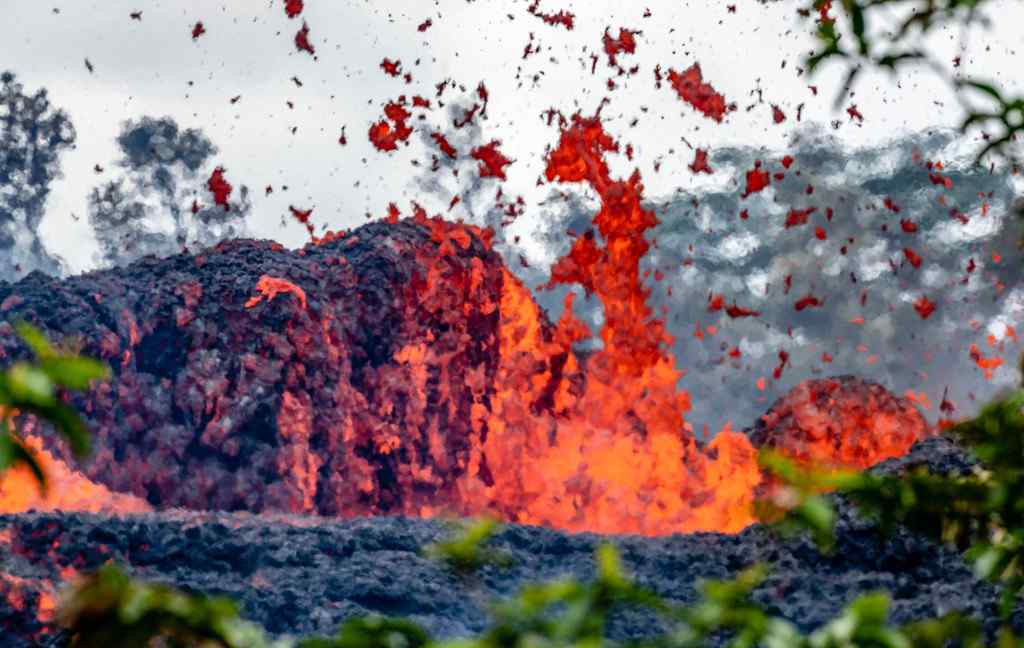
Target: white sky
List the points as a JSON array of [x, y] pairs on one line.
[[144, 68]]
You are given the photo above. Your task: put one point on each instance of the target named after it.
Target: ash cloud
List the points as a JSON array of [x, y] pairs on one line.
[[703, 246], [33, 136], [161, 204]]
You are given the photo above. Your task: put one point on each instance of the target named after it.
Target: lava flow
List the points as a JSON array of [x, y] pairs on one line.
[[402, 369]]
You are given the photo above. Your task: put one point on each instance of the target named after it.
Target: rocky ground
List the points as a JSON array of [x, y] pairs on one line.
[[306, 575]]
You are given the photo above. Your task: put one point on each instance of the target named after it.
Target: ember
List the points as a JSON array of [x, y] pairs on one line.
[[692, 89]]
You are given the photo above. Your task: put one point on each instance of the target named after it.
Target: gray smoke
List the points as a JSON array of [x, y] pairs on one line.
[[33, 135], [149, 210]]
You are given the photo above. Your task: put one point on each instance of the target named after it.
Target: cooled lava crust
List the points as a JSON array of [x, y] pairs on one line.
[[309, 575]]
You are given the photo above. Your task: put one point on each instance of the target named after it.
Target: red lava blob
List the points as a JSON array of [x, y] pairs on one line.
[[890, 205], [302, 215], [797, 217], [492, 162], [757, 179], [198, 30], [561, 18], [269, 287], [912, 257], [908, 226], [783, 361], [220, 188], [939, 179], [987, 365], [624, 44], [854, 113], [691, 88], [700, 162], [444, 144], [735, 311], [777, 115], [293, 7], [302, 40], [924, 307], [425, 25], [787, 161], [391, 68], [807, 301], [715, 302], [386, 136]]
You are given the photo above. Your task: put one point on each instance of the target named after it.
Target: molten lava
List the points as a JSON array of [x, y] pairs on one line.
[[67, 489], [841, 422], [407, 371]]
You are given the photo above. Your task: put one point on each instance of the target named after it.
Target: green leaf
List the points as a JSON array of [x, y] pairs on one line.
[[609, 566], [35, 340], [986, 88], [857, 24], [74, 372], [67, 422], [30, 385]]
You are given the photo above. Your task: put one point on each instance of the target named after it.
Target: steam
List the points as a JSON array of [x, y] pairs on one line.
[[33, 135], [161, 205]]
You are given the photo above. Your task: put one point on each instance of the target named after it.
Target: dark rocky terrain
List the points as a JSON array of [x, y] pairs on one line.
[[306, 575]]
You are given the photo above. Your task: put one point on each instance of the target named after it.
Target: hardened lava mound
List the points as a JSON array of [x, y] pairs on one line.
[[340, 379]]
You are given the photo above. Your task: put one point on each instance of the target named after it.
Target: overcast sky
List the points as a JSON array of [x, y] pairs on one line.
[[153, 67]]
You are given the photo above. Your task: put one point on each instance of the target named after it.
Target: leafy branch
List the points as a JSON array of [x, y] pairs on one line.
[[901, 45]]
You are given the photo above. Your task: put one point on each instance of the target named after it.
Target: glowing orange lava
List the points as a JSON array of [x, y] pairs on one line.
[[67, 489]]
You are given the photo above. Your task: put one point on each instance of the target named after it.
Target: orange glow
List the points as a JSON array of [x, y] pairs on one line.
[[987, 365], [269, 287], [68, 489]]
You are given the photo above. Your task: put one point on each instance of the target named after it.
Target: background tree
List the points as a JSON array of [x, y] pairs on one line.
[[33, 136], [163, 202]]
